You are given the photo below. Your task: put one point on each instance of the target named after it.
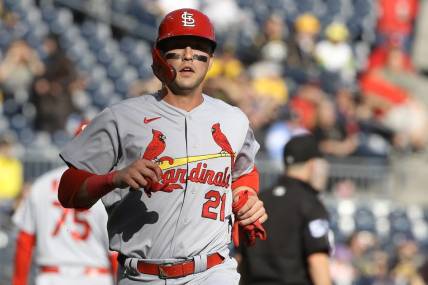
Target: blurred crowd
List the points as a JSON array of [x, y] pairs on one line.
[[306, 77], [340, 69], [363, 261], [357, 91]]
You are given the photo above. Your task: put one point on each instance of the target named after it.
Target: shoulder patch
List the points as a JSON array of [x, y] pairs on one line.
[[318, 228]]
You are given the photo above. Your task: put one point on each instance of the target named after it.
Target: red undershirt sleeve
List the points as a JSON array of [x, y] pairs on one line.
[[250, 179], [72, 181]]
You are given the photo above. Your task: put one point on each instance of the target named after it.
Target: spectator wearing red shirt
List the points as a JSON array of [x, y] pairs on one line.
[[397, 97], [396, 19]]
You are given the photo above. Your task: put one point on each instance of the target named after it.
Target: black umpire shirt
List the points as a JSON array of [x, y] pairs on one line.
[[297, 227]]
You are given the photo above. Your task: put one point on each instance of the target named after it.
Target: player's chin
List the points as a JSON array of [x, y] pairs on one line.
[[188, 84]]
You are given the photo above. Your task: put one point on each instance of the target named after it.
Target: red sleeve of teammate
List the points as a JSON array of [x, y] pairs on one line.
[[23, 253], [72, 181]]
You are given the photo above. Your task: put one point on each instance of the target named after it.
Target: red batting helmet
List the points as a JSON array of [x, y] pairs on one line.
[[182, 22], [186, 22]]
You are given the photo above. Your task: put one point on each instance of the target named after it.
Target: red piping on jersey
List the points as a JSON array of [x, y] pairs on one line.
[[24, 250], [250, 179], [114, 264], [72, 181]]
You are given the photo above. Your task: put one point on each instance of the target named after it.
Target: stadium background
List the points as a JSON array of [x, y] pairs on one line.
[[354, 72]]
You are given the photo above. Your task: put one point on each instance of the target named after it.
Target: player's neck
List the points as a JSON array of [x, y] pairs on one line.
[[185, 102]]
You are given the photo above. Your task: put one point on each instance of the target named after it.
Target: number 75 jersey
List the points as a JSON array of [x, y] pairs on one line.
[[63, 236]]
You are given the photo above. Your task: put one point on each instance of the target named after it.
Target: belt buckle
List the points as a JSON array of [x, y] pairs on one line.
[[162, 273]]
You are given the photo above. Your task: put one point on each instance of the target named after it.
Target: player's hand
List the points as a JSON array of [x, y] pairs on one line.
[[253, 210], [139, 174]]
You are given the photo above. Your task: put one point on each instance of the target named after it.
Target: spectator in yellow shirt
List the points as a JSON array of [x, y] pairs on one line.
[[226, 65], [11, 173]]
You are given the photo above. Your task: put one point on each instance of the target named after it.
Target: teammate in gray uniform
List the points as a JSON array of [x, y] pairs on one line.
[[70, 246], [168, 167]]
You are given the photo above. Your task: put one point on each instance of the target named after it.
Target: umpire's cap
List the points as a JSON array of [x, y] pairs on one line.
[[301, 148]]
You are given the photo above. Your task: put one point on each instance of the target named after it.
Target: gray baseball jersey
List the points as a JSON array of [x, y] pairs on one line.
[[71, 240], [193, 215]]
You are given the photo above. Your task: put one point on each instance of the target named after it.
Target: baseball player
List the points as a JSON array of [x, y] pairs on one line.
[[168, 167], [71, 244]]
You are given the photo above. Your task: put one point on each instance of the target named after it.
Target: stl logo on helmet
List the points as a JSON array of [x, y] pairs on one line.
[[188, 20]]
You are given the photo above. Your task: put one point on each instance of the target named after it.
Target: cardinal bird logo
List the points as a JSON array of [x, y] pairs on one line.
[[156, 146], [222, 141], [153, 150]]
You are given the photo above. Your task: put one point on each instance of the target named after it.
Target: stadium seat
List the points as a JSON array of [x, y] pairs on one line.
[[10, 107], [60, 138], [398, 213], [121, 6], [49, 13], [127, 44], [106, 87], [86, 62], [103, 31], [114, 71], [333, 7], [18, 122], [104, 56], [381, 208], [401, 225], [145, 71], [71, 36], [77, 52], [64, 17], [100, 100], [88, 29], [364, 219], [383, 228], [98, 72], [114, 98], [5, 39], [4, 124], [346, 225], [42, 139], [304, 6], [26, 136], [362, 7]]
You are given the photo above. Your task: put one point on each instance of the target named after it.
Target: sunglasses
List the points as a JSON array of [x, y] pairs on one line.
[[175, 56]]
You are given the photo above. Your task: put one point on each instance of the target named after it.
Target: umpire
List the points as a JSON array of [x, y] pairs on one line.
[[297, 249]]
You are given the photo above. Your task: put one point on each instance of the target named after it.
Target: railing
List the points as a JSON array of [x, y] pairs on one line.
[[365, 174], [34, 167]]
